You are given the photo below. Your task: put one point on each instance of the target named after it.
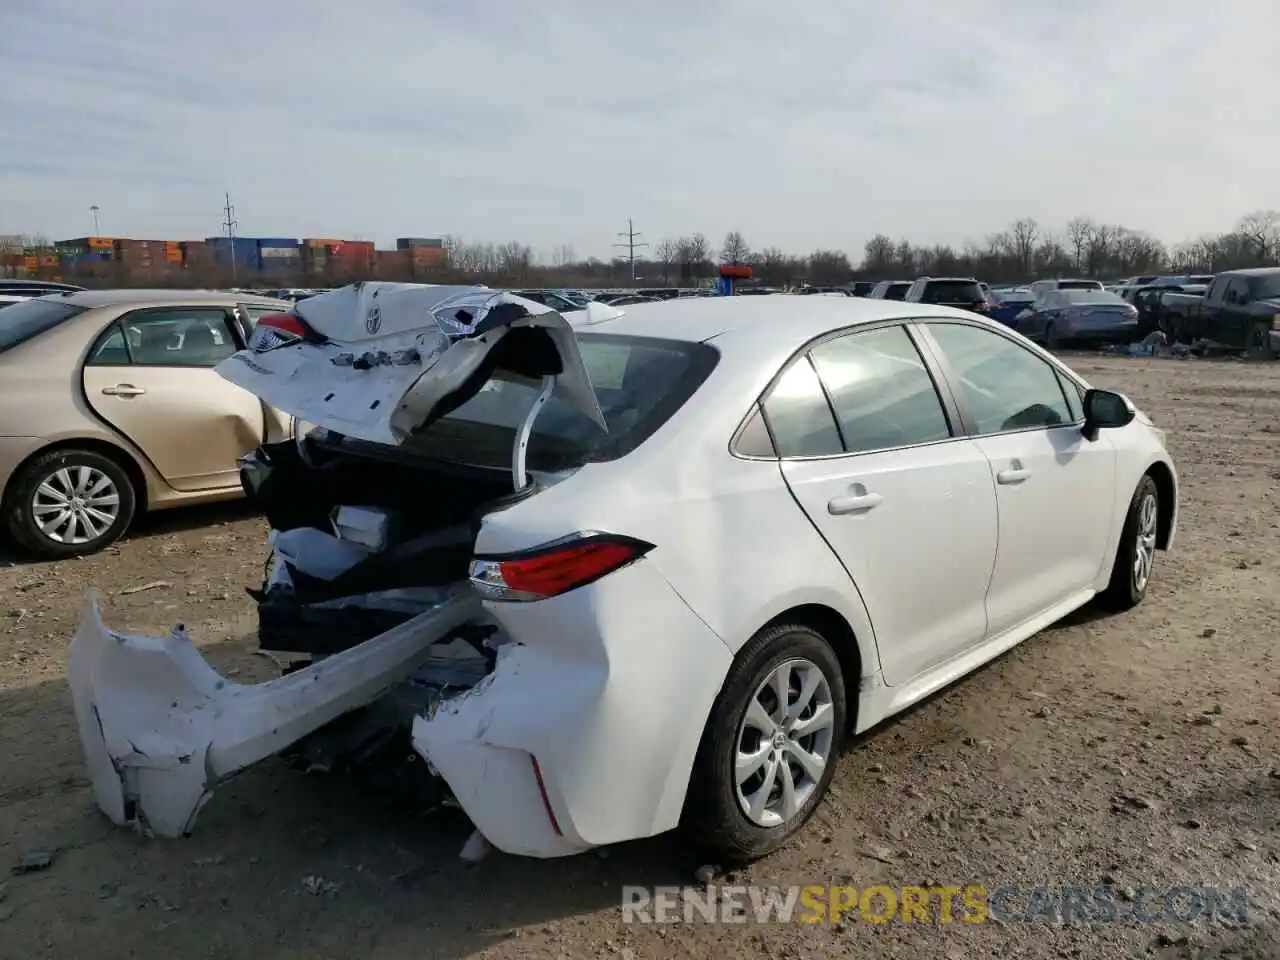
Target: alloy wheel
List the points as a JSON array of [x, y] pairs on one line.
[[75, 505], [1145, 554], [784, 742]]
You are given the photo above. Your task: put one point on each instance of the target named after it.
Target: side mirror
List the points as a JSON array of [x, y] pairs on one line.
[[1106, 410]]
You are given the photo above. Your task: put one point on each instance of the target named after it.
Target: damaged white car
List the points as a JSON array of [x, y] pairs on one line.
[[642, 571]]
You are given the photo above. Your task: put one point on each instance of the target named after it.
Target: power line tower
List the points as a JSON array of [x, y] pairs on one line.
[[229, 225], [631, 246]]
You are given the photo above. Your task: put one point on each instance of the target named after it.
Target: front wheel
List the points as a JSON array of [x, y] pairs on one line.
[[1258, 345], [68, 503], [1131, 572], [770, 745]]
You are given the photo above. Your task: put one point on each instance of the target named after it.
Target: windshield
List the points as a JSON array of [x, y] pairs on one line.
[[20, 322], [1079, 285], [1091, 298], [1014, 296], [641, 382], [1262, 288]]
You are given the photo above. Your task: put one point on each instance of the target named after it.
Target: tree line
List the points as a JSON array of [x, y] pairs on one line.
[[1022, 252]]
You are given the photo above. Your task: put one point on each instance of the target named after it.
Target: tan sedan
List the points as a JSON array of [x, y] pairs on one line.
[[109, 406]]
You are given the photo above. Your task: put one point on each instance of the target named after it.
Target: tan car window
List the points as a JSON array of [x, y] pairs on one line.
[[179, 337]]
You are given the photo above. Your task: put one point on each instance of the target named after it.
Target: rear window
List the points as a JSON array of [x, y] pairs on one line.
[[896, 291], [953, 291], [20, 322], [641, 383], [1079, 285]]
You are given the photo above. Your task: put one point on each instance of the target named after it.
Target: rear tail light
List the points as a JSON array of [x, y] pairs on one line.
[[275, 330], [554, 568]]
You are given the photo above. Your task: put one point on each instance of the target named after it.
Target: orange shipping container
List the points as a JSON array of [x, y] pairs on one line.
[[31, 263], [101, 243], [312, 242]]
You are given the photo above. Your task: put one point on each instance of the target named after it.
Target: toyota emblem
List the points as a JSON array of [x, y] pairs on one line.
[[373, 322]]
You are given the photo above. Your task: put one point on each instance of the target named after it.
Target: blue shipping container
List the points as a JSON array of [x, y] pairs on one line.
[[277, 242]]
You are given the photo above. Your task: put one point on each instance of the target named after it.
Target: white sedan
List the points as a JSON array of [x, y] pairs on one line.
[[643, 571]]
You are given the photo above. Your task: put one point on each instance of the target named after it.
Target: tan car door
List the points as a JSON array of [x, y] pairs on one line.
[[279, 425], [150, 375]]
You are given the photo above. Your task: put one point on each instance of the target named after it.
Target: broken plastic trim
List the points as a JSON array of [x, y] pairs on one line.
[[160, 728]]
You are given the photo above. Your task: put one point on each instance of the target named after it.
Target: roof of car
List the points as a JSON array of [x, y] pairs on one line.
[[783, 320], [116, 298]]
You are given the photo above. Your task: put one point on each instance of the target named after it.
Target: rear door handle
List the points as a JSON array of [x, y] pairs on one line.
[[1012, 475], [859, 502], [123, 390]]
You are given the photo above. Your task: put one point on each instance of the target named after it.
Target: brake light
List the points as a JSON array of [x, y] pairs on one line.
[[554, 568], [275, 330]]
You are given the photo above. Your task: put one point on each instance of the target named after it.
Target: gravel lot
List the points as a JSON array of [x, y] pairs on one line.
[[1138, 750]]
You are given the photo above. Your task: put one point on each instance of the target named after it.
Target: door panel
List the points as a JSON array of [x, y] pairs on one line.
[[1053, 487], [909, 511], [919, 540], [162, 393], [1053, 491]]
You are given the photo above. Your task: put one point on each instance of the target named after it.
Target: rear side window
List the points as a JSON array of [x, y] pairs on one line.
[[19, 322], [897, 291], [952, 291], [640, 381], [799, 416]]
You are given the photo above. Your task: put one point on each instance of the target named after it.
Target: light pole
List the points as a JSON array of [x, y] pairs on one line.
[[94, 210]]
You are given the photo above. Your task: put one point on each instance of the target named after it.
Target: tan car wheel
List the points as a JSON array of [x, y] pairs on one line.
[[68, 503]]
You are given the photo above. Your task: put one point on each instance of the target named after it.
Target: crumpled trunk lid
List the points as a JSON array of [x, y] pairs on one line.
[[388, 359]]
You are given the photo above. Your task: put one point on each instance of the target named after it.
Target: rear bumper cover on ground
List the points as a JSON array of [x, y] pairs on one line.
[[160, 728]]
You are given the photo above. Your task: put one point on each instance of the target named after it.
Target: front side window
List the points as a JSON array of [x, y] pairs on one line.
[[881, 390], [1006, 386]]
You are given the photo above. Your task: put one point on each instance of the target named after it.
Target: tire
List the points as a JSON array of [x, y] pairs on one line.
[[1258, 343], [714, 815], [1128, 586], [1051, 339], [36, 488]]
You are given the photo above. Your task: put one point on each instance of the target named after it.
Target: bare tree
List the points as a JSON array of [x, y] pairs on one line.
[[667, 252], [1262, 227], [1024, 234], [694, 254], [562, 256], [827, 267], [1080, 232], [734, 250]]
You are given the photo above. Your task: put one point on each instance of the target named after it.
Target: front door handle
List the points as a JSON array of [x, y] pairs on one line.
[[857, 502], [1012, 475], [123, 390]]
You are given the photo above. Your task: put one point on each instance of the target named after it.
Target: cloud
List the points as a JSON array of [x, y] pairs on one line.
[[807, 125]]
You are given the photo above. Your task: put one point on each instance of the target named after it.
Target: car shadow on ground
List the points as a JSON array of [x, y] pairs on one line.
[[303, 862]]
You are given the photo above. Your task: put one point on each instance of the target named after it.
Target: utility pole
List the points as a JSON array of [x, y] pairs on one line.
[[94, 210], [630, 246], [229, 225]]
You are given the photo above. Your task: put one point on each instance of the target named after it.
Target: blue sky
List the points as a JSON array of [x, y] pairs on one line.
[[807, 125]]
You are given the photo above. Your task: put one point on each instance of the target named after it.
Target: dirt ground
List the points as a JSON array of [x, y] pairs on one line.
[[1138, 750]]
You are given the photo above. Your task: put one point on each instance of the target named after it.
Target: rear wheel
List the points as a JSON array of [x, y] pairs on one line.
[[770, 745], [68, 503], [1131, 572], [1051, 339]]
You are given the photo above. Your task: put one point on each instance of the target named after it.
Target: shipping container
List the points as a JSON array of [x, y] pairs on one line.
[[314, 242], [414, 243], [279, 253], [278, 242]]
